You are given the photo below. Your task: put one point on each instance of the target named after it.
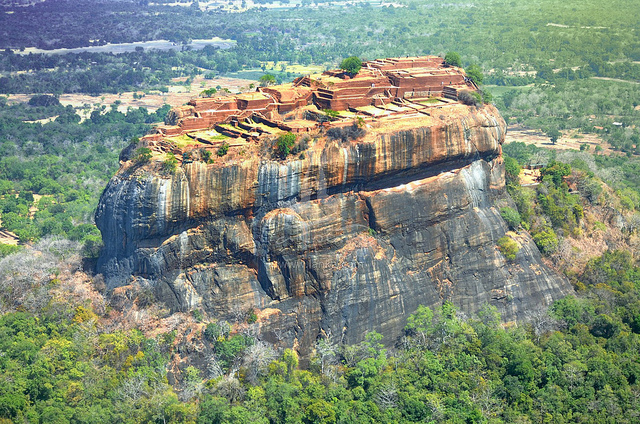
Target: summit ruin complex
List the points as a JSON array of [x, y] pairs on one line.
[[384, 89]]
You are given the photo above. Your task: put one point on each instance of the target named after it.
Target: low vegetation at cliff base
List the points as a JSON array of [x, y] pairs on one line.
[[63, 362]]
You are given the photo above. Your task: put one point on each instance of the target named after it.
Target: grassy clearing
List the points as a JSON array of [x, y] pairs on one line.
[[182, 140], [499, 90]]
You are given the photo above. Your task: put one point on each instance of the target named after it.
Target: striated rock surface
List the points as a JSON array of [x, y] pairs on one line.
[[348, 238]]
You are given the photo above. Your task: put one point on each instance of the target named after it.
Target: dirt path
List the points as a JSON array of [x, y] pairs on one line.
[[7, 237], [615, 79]]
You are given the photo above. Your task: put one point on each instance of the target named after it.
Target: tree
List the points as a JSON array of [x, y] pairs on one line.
[[208, 92], [284, 144], [351, 64], [475, 73], [453, 59], [420, 324], [267, 80], [554, 134], [556, 171], [142, 155], [546, 240], [511, 217], [512, 171], [44, 100]]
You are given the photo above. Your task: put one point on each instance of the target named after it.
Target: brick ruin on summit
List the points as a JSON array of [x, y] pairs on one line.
[[383, 89]]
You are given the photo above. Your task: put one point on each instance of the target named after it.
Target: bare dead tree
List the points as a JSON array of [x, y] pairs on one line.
[[541, 321], [387, 397], [256, 359], [230, 388]]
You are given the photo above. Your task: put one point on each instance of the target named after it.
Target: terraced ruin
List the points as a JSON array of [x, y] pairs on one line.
[[383, 91]]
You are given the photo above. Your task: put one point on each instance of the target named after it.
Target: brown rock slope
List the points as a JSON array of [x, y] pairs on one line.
[[350, 238]]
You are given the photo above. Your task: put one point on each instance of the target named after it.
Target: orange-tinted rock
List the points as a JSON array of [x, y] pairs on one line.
[[349, 238]]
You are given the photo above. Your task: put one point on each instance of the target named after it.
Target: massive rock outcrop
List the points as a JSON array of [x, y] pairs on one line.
[[347, 238]]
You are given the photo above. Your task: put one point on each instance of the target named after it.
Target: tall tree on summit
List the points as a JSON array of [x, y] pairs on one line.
[[351, 64], [453, 59]]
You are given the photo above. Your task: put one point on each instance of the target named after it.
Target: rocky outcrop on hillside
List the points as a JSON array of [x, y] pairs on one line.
[[347, 238]]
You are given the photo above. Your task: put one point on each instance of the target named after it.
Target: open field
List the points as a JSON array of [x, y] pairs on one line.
[[131, 47], [570, 140], [177, 95], [499, 90]]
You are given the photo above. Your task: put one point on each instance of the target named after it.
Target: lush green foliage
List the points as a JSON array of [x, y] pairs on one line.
[[142, 155], [223, 149], [512, 171], [453, 59], [266, 80], [170, 164], [285, 143], [511, 217], [61, 369], [508, 247], [475, 73], [552, 210], [351, 64], [66, 161], [578, 363]]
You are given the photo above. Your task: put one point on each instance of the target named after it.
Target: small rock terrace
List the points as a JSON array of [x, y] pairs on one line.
[[384, 90]]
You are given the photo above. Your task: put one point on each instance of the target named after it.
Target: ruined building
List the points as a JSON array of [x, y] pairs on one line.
[[383, 88]]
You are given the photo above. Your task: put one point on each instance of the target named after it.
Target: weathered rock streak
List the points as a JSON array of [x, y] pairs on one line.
[[350, 238]]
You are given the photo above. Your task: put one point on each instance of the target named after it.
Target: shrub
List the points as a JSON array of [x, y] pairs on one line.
[[301, 145], [170, 163], [511, 217], [206, 155], [345, 134], [470, 98], [251, 316], [546, 240], [197, 314], [487, 97], [8, 249], [223, 149], [142, 155], [284, 144], [214, 330], [508, 247], [331, 114], [92, 246]]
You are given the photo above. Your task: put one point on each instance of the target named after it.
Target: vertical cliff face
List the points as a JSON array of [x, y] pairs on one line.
[[350, 238]]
